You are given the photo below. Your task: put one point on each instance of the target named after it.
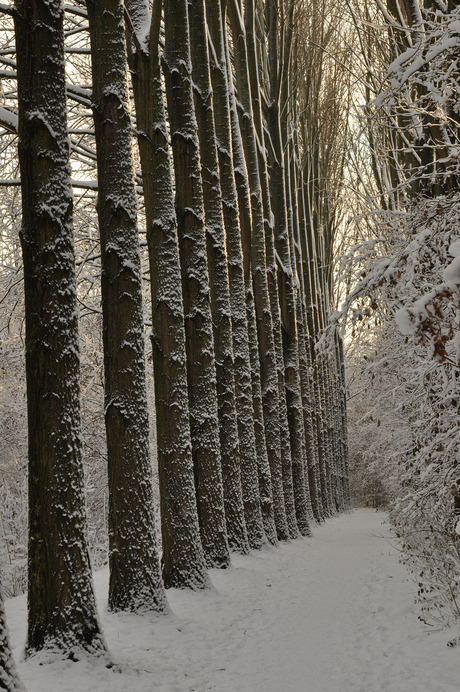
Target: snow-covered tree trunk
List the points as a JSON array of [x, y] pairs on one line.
[[271, 264], [135, 578], [326, 364], [285, 270], [195, 284], [245, 224], [218, 280], [312, 299], [183, 559], [242, 363], [254, 245], [9, 680], [344, 421], [310, 454], [62, 609]]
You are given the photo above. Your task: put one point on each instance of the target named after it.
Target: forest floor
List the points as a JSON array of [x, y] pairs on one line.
[[334, 612]]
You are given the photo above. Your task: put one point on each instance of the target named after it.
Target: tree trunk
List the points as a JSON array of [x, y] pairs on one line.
[[255, 94], [62, 610], [218, 281], [242, 362], [285, 275], [135, 579], [183, 559], [254, 248], [195, 285]]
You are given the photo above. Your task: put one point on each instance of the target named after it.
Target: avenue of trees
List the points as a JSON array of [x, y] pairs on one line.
[[135, 158], [262, 187]]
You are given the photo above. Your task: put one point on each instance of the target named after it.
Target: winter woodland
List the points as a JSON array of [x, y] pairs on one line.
[[229, 298]]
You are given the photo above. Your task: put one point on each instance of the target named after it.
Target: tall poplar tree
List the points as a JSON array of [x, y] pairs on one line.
[[135, 579], [183, 559], [256, 504], [218, 280], [255, 247], [195, 284], [62, 610]]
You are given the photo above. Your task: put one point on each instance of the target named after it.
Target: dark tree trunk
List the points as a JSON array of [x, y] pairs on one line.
[[183, 559], [218, 280], [195, 285], [62, 610], [135, 579]]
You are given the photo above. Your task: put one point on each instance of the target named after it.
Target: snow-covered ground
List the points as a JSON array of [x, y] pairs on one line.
[[331, 613]]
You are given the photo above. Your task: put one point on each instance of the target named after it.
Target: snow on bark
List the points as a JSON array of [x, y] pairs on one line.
[[9, 680], [62, 611], [286, 285], [269, 227], [253, 239], [9, 120], [311, 452], [183, 559], [242, 363], [201, 370], [135, 578], [218, 280], [422, 318]]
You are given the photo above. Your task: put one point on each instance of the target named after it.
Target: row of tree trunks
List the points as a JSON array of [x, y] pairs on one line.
[[237, 160], [254, 248], [286, 270], [218, 280], [250, 418], [183, 558], [201, 369], [239, 319]]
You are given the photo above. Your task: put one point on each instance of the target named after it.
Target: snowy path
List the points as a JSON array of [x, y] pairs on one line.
[[332, 613]]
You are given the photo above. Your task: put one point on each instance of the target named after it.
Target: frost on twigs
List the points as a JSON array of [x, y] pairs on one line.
[[435, 317]]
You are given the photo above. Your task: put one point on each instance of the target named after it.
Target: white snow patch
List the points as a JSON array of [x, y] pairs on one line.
[[404, 321], [451, 273]]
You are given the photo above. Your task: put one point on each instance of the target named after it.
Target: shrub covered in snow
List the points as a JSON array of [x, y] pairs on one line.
[[405, 397]]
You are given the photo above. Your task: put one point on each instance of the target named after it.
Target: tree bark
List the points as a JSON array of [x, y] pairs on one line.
[[135, 578], [242, 362], [218, 281], [183, 559], [195, 285], [271, 263], [62, 610], [285, 272], [254, 248]]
